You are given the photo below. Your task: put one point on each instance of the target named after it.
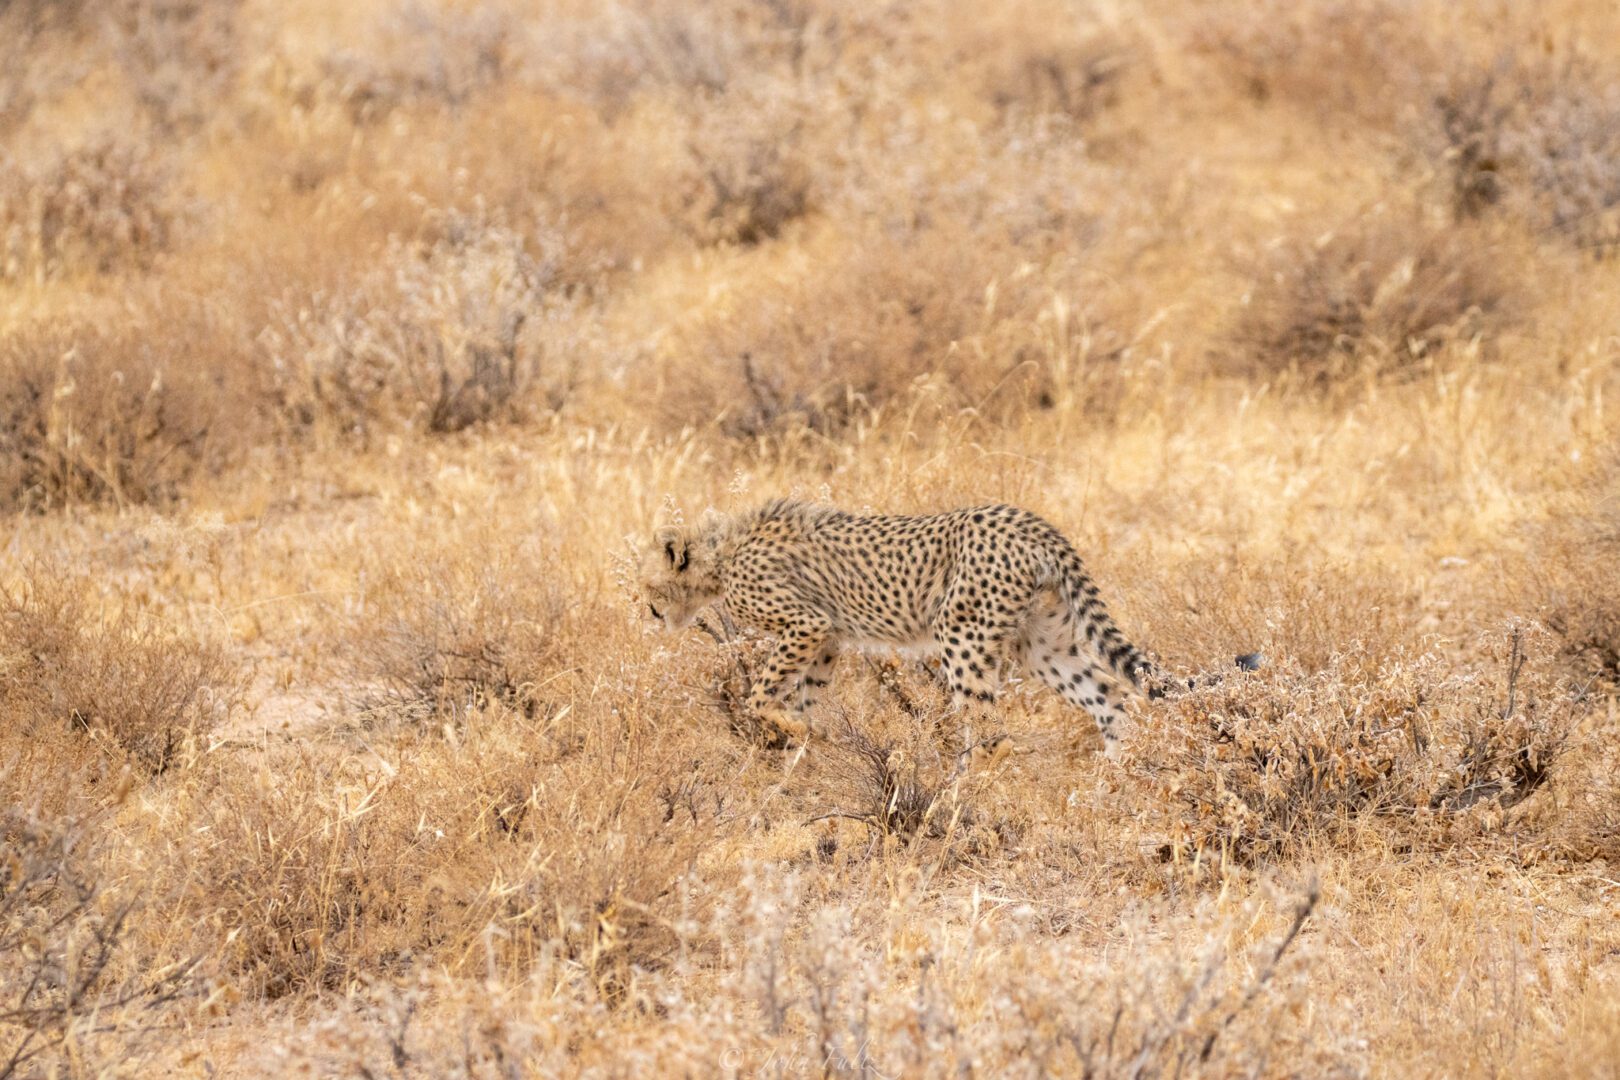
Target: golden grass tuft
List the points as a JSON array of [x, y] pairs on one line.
[[118, 413], [442, 637], [118, 683]]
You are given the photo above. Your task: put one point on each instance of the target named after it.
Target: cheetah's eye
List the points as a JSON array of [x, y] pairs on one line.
[[655, 612]]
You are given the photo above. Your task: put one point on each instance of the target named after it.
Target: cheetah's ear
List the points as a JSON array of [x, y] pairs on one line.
[[673, 541]]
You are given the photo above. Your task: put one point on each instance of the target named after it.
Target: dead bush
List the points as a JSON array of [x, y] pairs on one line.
[[298, 885], [484, 853], [617, 54], [1571, 570], [447, 635], [417, 54], [1196, 1002], [1586, 827], [1040, 59], [34, 64], [451, 334], [1343, 57], [71, 672], [63, 940], [752, 173], [1384, 294], [1263, 767], [904, 789], [605, 875], [1537, 135], [179, 59], [894, 316], [123, 414], [104, 207], [796, 982]]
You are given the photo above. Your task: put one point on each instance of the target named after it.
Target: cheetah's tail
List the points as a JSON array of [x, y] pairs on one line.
[[1092, 620]]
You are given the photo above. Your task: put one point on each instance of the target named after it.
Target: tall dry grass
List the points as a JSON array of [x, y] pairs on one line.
[[346, 352]]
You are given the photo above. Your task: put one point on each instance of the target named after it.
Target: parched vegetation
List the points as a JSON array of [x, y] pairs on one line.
[[346, 352]]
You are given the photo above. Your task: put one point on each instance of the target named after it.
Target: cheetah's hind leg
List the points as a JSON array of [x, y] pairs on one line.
[[973, 653], [1049, 647]]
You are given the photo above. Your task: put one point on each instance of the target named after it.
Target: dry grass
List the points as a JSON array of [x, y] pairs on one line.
[[344, 347], [120, 683], [1384, 294], [116, 413], [62, 937], [297, 887], [1540, 136], [89, 210], [1573, 562], [438, 337], [442, 637], [1259, 771]]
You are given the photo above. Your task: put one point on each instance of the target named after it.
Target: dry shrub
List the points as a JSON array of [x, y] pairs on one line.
[[1075, 78], [1571, 571], [1538, 135], [752, 170], [1364, 59], [97, 209], [446, 635], [1582, 824], [165, 67], [1035, 58], [179, 59], [297, 884], [63, 940], [1268, 766], [34, 65], [796, 990], [1534, 130], [419, 54], [591, 201], [485, 853], [1386, 293], [728, 105], [893, 316], [605, 875], [449, 335], [904, 788], [124, 413], [71, 672], [613, 54]]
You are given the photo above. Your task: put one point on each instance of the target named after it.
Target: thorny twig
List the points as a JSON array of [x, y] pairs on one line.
[[1302, 911]]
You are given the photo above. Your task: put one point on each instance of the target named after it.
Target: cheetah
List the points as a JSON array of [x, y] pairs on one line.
[[971, 585]]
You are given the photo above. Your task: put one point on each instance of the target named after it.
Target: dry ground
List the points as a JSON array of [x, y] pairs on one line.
[[345, 351]]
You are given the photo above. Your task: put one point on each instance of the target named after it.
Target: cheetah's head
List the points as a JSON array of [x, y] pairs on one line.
[[680, 575]]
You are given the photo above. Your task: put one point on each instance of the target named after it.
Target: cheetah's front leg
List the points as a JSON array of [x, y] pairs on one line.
[[973, 653], [797, 647], [817, 677]]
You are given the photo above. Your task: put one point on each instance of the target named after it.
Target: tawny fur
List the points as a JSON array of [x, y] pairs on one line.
[[978, 585]]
